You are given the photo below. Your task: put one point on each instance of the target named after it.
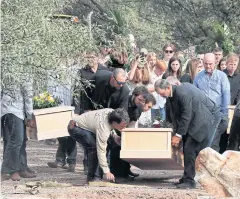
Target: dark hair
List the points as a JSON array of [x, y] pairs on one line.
[[150, 98], [170, 71], [170, 45], [140, 90], [218, 49], [219, 64], [118, 115]]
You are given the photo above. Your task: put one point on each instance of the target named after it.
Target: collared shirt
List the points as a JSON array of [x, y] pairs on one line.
[[230, 77], [97, 123], [216, 87], [17, 100]]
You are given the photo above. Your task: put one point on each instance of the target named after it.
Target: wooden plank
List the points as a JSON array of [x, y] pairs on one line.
[[52, 110], [148, 129], [230, 116]]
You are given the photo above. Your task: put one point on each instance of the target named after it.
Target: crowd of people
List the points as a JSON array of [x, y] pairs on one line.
[[193, 97]]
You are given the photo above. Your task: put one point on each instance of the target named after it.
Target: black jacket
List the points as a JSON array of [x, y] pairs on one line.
[[192, 110], [105, 96], [82, 101], [234, 87], [134, 111]]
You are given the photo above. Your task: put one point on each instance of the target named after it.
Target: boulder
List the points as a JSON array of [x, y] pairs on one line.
[[219, 174]]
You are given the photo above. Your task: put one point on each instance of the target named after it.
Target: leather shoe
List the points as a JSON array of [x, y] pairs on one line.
[[29, 170], [130, 173], [15, 176], [25, 174], [71, 167], [56, 165], [187, 185], [179, 182]]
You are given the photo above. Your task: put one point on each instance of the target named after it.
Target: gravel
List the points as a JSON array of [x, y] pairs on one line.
[[150, 184]]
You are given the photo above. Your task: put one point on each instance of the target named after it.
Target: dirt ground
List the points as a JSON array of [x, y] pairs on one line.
[[150, 184]]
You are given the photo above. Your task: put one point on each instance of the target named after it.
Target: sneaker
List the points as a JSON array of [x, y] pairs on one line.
[[25, 174], [71, 167], [15, 176]]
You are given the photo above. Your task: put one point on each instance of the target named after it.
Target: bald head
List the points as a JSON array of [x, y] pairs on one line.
[[209, 62]]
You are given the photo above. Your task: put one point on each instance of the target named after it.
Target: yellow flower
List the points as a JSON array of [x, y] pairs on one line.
[[50, 99], [41, 96]]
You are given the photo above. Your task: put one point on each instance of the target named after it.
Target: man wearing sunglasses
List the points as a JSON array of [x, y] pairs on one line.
[[110, 90]]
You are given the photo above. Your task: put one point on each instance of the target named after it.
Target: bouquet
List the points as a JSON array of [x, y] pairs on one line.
[[45, 100]]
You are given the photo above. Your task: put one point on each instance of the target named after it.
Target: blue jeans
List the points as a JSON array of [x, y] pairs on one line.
[[155, 113], [14, 138], [88, 140]]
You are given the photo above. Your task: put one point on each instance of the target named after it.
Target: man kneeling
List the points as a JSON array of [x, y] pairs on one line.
[[92, 130]]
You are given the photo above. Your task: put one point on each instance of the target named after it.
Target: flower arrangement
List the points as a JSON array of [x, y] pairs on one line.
[[45, 100]]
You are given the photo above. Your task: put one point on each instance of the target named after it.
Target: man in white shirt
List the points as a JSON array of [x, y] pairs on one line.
[[92, 129]]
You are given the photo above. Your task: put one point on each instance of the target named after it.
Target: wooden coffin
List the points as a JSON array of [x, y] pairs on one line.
[[51, 122], [230, 116], [150, 149]]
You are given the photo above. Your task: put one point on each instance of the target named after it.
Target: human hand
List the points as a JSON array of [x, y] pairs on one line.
[[117, 139], [31, 123], [176, 141], [72, 124], [110, 176]]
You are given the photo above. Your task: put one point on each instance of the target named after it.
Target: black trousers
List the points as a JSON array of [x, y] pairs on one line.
[[191, 148], [88, 140], [14, 138], [234, 137], [118, 167], [222, 127], [67, 150]]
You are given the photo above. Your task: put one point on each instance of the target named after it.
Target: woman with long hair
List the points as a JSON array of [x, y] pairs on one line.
[[139, 75], [169, 51], [174, 68], [151, 60], [191, 71], [222, 65]]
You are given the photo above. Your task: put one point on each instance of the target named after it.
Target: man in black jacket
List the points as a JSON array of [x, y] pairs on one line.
[[195, 116], [140, 101], [110, 90], [234, 136]]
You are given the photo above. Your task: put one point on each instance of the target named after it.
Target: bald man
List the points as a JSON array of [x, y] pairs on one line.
[[214, 83], [110, 90]]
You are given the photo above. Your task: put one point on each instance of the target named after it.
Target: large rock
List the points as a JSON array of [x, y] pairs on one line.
[[219, 174]]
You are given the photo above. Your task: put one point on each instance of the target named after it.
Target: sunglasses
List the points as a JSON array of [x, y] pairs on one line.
[[168, 51], [119, 83]]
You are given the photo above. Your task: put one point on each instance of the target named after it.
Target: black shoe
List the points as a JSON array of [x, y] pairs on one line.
[[179, 182], [71, 167], [56, 165], [187, 185], [130, 173]]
